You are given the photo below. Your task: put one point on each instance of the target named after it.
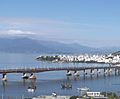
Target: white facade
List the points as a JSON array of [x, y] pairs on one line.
[[93, 94]]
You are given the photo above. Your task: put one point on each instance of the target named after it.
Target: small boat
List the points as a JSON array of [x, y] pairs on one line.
[[31, 89], [83, 89], [54, 94], [66, 85]]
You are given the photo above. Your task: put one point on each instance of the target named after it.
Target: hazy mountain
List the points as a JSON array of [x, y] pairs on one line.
[[116, 53], [26, 45], [110, 50]]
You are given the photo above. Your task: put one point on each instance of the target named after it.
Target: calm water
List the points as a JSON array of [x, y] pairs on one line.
[[48, 82]]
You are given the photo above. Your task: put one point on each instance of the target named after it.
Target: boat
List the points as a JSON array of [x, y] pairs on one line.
[[66, 85], [83, 89], [54, 94]]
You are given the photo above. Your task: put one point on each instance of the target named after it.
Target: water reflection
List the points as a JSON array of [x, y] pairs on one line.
[[4, 84], [76, 78], [32, 82], [25, 81], [97, 75], [91, 77]]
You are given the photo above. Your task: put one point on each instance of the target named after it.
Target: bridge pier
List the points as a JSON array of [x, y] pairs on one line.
[[68, 73], [116, 71], [92, 71], [32, 76], [105, 70], [98, 71], [4, 77], [109, 71], [24, 76], [76, 73], [84, 72]]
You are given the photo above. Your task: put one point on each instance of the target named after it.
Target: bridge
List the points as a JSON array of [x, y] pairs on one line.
[[37, 70], [68, 69]]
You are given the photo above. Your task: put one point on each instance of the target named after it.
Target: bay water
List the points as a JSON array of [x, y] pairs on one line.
[[48, 82]]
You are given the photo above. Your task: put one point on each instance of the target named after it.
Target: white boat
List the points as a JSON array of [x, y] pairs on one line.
[[83, 89], [54, 94]]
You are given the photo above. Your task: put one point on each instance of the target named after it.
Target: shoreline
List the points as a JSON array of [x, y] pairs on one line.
[[51, 97]]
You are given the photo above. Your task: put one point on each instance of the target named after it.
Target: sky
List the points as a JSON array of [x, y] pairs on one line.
[[94, 23]]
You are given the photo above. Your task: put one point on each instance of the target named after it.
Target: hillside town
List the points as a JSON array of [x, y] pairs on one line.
[[107, 59]]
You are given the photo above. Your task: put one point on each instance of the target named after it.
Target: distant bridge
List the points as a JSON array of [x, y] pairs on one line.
[[37, 70], [107, 70]]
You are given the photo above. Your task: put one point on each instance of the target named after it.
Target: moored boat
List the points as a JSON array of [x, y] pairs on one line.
[[66, 85], [83, 89]]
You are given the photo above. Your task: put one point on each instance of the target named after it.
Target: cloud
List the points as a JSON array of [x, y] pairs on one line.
[[57, 30], [19, 32], [16, 33]]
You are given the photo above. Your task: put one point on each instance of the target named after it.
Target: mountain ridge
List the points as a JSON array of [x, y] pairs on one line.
[[27, 45]]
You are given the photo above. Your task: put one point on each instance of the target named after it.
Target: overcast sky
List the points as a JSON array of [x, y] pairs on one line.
[[94, 23]]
